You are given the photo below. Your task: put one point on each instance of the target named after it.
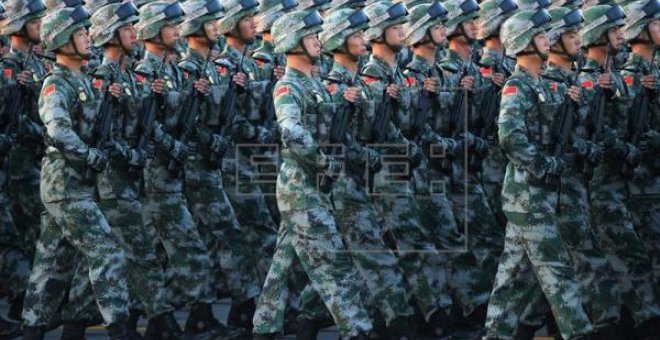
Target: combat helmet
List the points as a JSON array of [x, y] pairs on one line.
[[564, 19], [319, 5], [519, 30], [412, 3], [60, 24], [353, 4], [492, 14], [422, 18], [156, 15], [199, 12], [528, 5], [598, 20], [2, 11], [640, 15], [20, 12], [289, 30], [94, 5], [572, 4], [52, 5], [108, 19], [382, 15], [235, 10], [341, 24], [460, 11], [270, 10]]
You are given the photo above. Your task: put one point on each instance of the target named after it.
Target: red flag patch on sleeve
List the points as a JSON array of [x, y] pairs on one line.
[[588, 84], [332, 88], [629, 80], [139, 77], [282, 90], [222, 70], [554, 86], [410, 81], [260, 63], [509, 90], [48, 90], [8, 73], [369, 80], [98, 83], [486, 71]]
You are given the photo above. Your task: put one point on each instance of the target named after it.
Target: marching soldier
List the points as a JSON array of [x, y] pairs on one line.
[[308, 232], [533, 246], [68, 109]]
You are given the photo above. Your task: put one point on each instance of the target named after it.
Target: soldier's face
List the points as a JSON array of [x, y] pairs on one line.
[[438, 34], [169, 34], [128, 36], [572, 42], [395, 35], [654, 29], [247, 28], [32, 29], [81, 43], [542, 43], [212, 30], [356, 44], [470, 28], [312, 45], [615, 36]]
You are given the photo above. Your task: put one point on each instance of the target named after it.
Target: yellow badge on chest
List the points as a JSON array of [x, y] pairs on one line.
[[82, 96]]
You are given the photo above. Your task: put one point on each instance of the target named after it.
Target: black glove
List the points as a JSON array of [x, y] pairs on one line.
[[416, 157], [557, 165], [219, 145], [179, 151], [595, 154], [136, 158], [96, 159], [481, 147], [331, 167]]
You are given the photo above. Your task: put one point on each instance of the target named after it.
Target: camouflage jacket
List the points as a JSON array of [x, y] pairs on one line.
[[524, 135], [68, 108], [646, 180], [116, 181], [27, 128], [266, 59], [157, 178]]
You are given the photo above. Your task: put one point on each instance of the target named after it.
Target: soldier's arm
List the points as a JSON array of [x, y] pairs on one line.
[[512, 131]]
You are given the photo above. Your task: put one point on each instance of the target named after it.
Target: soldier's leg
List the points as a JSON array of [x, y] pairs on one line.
[[646, 218], [329, 267], [26, 207], [188, 263]]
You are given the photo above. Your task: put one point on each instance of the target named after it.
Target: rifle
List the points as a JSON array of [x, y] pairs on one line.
[[190, 111], [16, 105], [228, 105], [384, 110], [637, 126], [338, 130], [269, 109], [423, 106], [147, 119], [103, 123], [562, 127], [459, 114], [597, 124]]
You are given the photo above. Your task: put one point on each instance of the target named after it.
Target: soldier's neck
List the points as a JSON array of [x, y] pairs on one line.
[[598, 54], [267, 37], [561, 61], [462, 47], [643, 50], [300, 63], [531, 63], [494, 43], [198, 46], [115, 54], [20, 44], [346, 61], [385, 53], [426, 51], [155, 49], [74, 64], [235, 43]]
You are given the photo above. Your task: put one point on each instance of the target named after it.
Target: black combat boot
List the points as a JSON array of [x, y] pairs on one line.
[[399, 329], [164, 327], [264, 336], [307, 329], [360, 336], [73, 331], [117, 331], [132, 324], [241, 315], [201, 320], [525, 332], [33, 333]]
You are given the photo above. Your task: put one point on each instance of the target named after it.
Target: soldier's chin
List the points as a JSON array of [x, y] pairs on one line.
[[86, 56], [35, 41], [396, 48]]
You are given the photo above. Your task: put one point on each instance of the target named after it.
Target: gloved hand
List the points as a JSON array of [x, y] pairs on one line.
[[96, 159], [607, 137], [556, 166], [136, 158], [219, 145], [375, 160], [113, 149], [633, 155], [595, 154], [205, 138], [331, 167], [415, 157], [481, 147], [179, 151]]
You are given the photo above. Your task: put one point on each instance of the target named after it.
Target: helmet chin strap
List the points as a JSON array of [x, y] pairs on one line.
[[120, 44], [395, 48], [344, 49], [639, 40], [535, 51], [236, 33], [305, 52], [76, 52], [460, 32]]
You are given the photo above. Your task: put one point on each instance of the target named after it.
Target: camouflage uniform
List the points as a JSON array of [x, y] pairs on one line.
[[23, 163], [67, 107], [208, 203], [533, 246], [308, 231], [474, 269], [394, 187], [611, 218]]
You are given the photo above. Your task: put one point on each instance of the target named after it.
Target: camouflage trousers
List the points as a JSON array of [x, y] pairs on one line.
[[534, 249], [474, 268], [15, 263], [395, 204], [311, 237], [187, 267], [26, 209], [646, 218], [77, 226], [233, 264], [378, 266], [249, 203], [146, 280], [614, 228]]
